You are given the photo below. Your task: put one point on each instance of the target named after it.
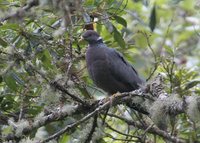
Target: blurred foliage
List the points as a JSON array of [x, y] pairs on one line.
[[41, 44]]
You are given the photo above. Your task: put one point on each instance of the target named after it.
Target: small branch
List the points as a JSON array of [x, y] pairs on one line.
[[152, 130], [64, 90], [116, 139], [154, 55], [94, 125], [160, 52], [127, 135]]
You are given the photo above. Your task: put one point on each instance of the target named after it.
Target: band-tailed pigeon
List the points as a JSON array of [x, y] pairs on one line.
[[107, 67]]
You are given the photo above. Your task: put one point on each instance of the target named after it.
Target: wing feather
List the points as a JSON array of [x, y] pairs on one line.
[[122, 70]]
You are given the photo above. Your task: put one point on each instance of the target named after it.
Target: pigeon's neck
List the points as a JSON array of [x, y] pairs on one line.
[[97, 43]]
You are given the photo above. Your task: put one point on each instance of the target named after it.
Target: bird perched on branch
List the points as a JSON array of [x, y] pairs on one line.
[[108, 68]]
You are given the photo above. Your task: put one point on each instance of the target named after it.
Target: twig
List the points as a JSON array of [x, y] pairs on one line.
[[94, 125], [117, 139], [152, 130], [160, 52], [115, 130], [154, 55], [145, 131]]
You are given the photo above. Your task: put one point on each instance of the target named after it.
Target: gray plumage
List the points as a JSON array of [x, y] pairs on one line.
[[107, 67]]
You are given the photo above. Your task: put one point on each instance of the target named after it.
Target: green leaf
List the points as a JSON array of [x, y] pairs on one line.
[[90, 4], [7, 104], [152, 22], [118, 38], [191, 84], [99, 28], [109, 25], [169, 50], [10, 81], [17, 78], [17, 40], [3, 42], [7, 130], [120, 20], [46, 59], [64, 139], [110, 2], [34, 110], [84, 92], [11, 26]]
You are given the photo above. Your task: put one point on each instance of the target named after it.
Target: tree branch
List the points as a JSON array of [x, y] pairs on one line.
[[152, 130]]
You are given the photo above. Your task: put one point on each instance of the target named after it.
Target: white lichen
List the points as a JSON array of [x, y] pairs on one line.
[[50, 96], [39, 116], [21, 125], [28, 140], [6, 130], [41, 133], [81, 136], [69, 109], [18, 126], [158, 114], [99, 131], [193, 108], [163, 109]]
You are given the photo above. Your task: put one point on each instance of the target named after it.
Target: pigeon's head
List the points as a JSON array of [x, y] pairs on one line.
[[91, 36]]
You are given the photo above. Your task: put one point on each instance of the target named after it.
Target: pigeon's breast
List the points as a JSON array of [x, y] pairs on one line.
[[97, 66], [96, 62]]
